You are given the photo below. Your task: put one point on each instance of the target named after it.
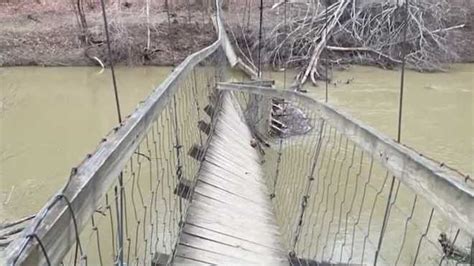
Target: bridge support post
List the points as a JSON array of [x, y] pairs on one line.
[[183, 189], [160, 259], [204, 127]]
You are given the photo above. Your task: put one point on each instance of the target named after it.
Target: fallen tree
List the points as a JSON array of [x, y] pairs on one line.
[[356, 31]]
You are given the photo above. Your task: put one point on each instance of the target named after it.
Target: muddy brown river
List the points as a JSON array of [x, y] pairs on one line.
[[438, 110], [50, 118]]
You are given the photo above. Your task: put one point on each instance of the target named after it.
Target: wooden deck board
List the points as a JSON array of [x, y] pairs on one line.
[[228, 181], [229, 239], [230, 219], [180, 260], [227, 212], [230, 194]]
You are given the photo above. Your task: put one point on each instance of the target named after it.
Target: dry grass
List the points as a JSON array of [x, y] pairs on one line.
[[48, 34]]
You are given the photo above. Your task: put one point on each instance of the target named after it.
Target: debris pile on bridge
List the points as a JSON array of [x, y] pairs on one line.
[[287, 120]]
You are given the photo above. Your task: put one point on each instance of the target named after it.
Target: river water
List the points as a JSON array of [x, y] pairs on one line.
[[438, 108], [50, 118], [437, 122]]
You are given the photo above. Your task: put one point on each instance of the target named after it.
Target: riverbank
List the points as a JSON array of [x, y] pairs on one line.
[[35, 33]]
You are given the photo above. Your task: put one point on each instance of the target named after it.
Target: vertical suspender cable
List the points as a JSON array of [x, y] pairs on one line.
[[400, 109], [402, 77], [247, 10], [260, 41], [286, 34], [117, 102], [326, 55], [472, 251], [119, 114], [168, 15]]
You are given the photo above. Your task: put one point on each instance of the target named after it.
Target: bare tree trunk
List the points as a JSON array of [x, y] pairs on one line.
[[311, 70], [81, 20], [148, 25], [167, 5], [188, 7]]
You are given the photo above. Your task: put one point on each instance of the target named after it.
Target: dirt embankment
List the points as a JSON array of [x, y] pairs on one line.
[[43, 34], [463, 39], [46, 32]]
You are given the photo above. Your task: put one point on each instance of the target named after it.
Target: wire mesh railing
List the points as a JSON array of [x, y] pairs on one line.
[[344, 193], [155, 200], [144, 196], [126, 202]]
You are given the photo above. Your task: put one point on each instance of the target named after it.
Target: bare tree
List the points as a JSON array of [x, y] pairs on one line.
[[148, 25], [354, 31], [365, 32], [78, 7]]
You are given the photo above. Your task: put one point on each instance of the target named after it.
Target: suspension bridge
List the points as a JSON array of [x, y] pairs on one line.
[[214, 170]]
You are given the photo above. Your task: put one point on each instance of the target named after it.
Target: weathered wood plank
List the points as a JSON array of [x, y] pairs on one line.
[[231, 220], [263, 83], [230, 239], [233, 211], [246, 68], [253, 186], [237, 175], [180, 260], [209, 110], [197, 152], [244, 256], [229, 197], [183, 189], [209, 256], [204, 127], [239, 190], [233, 59], [230, 161], [222, 248], [252, 181], [234, 230]]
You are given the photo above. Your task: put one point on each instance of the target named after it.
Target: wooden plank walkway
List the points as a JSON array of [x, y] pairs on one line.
[[230, 220]]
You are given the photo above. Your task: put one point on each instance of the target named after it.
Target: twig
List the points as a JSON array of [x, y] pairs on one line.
[[362, 49], [7, 200], [6, 233], [98, 61], [19, 221], [449, 28]]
